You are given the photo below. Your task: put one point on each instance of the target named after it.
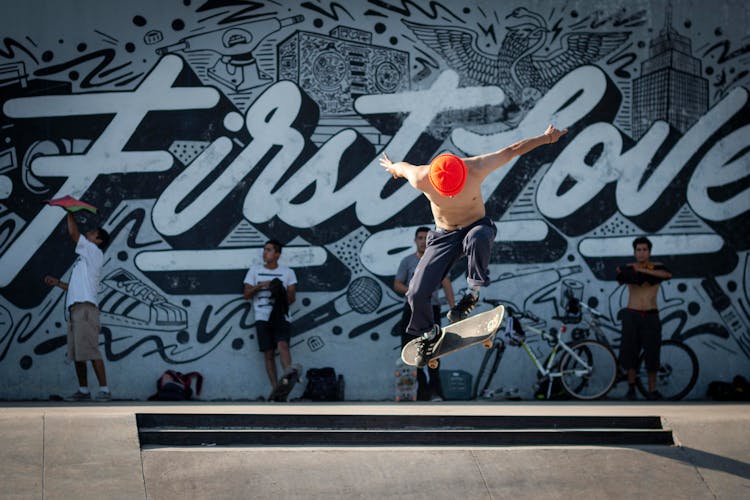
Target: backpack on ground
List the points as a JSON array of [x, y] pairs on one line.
[[737, 390], [324, 385], [176, 386]]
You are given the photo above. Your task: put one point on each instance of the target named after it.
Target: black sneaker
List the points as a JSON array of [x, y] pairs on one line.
[[654, 396], [630, 395], [464, 307], [79, 396], [428, 343]]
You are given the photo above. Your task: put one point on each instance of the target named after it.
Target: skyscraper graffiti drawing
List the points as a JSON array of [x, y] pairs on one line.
[[671, 87], [200, 130]]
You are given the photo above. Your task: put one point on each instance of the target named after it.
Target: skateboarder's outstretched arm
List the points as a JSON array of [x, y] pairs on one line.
[[417, 175], [486, 163]]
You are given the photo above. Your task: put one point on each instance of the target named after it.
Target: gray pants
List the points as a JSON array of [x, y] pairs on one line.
[[444, 248]]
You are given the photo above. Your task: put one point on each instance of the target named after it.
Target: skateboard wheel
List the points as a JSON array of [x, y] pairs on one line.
[[433, 363], [487, 344]]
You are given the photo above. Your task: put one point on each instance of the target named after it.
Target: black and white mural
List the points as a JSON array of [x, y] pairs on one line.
[[202, 128]]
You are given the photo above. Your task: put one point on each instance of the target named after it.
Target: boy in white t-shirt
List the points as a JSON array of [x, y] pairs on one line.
[[271, 316], [82, 305]]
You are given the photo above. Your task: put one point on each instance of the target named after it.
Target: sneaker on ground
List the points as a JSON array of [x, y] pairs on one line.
[[428, 344], [293, 371], [103, 396], [464, 307], [512, 394], [654, 396], [79, 396], [630, 395]]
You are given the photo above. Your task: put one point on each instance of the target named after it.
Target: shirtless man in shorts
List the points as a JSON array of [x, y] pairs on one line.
[[641, 326], [453, 186]]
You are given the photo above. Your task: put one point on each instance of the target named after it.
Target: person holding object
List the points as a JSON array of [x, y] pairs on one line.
[[453, 187], [82, 305], [272, 288], [431, 390], [641, 326]]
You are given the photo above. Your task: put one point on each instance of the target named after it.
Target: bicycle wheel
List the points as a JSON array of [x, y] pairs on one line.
[[590, 372], [678, 371]]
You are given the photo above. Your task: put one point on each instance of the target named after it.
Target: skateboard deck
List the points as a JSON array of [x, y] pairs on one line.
[[406, 382], [286, 383], [460, 335]]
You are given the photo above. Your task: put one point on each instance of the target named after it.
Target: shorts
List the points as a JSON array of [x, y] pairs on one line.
[[269, 337], [640, 330], [83, 332]]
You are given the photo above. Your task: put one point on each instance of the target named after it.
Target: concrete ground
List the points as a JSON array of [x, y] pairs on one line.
[[91, 451]]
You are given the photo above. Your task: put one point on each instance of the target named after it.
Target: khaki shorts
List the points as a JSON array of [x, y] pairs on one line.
[[83, 332]]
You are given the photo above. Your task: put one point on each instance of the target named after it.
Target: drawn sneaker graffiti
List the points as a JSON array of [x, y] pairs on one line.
[[124, 300]]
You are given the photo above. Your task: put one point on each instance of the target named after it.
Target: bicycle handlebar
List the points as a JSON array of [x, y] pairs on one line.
[[590, 309], [530, 315]]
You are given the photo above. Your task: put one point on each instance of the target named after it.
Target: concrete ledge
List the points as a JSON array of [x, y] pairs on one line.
[[416, 421], [265, 437], [398, 430]]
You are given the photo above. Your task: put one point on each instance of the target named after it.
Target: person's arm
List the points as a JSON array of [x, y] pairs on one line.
[[401, 279], [250, 287], [488, 162], [291, 293], [400, 287], [52, 281], [659, 273], [73, 227], [448, 290], [414, 174], [250, 290]]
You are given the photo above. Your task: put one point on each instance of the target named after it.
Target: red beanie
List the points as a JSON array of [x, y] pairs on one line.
[[448, 174]]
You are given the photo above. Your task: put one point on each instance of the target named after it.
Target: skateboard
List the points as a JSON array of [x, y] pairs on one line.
[[406, 382], [460, 335], [286, 383]]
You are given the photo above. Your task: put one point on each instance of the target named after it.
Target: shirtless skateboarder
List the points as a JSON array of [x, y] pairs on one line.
[[453, 186]]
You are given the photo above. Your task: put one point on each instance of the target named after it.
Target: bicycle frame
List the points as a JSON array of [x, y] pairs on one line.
[[559, 346], [590, 319], [578, 363]]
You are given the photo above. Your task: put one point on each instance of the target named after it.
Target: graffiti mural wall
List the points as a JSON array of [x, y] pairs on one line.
[[202, 128]]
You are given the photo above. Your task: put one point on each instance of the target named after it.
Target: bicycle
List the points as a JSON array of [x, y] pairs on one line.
[[678, 370], [586, 368]]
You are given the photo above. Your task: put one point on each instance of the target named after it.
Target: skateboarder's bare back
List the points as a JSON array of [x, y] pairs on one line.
[[453, 186]]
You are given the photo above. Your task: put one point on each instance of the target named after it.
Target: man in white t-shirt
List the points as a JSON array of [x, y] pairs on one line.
[[272, 309], [82, 305]]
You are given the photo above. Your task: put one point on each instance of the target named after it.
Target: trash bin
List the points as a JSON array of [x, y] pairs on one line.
[[456, 385]]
